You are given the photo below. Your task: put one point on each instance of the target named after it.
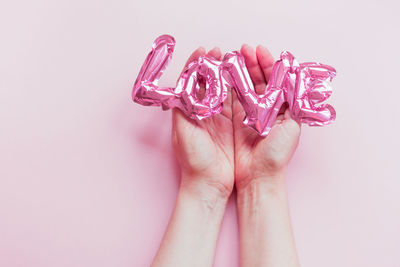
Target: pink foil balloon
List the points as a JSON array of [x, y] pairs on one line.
[[303, 86]]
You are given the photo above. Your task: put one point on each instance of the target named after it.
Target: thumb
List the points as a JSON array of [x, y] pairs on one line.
[[291, 122]]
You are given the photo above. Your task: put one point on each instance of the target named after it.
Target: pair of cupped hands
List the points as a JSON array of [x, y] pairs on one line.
[[218, 152]]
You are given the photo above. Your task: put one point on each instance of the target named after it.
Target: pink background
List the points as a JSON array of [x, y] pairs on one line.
[[88, 178]]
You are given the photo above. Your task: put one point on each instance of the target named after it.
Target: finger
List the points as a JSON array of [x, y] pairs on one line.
[[178, 117], [283, 108], [194, 56], [254, 69], [288, 117], [181, 121], [290, 122], [178, 123], [227, 108], [265, 60], [280, 117], [215, 53], [287, 114]]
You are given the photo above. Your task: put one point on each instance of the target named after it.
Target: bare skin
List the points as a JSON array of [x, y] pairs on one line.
[[254, 164], [260, 163], [191, 236]]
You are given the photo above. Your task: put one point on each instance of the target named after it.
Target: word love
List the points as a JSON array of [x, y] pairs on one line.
[[303, 86]]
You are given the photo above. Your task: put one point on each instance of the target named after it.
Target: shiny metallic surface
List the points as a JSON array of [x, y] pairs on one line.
[[304, 86]]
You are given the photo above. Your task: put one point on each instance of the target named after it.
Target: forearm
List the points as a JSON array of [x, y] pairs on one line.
[[192, 233], [266, 237]]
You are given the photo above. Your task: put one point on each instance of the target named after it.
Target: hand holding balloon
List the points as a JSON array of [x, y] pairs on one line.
[[218, 152], [304, 86]]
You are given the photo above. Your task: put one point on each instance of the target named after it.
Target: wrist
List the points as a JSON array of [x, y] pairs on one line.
[[261, 186], [264, 223], [256, 178], [211, 190]]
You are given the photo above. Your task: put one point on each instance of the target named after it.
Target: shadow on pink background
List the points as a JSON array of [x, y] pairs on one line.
[[88, 178]]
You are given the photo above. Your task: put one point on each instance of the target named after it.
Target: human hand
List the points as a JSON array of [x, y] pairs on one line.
[[211, 153], [205, 152], [259, 157], [205, 148], [265, 232]]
